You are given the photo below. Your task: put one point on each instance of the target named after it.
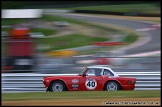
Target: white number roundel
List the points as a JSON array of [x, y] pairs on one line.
[[90, 83]]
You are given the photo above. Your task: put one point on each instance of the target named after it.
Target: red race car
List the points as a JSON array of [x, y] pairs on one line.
[[95, 78]]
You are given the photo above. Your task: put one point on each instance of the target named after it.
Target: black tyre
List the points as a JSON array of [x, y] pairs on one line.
[[57, 86], [112, 86]]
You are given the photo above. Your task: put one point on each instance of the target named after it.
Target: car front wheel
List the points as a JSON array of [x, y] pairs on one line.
[[57, 86]]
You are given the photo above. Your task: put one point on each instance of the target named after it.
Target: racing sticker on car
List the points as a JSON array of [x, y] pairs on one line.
[[91, 84], [75, 81]]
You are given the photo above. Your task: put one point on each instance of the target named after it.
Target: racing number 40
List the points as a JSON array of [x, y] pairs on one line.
[[91, 84]]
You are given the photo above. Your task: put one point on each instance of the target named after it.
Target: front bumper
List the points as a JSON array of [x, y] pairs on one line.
[[128, 87]]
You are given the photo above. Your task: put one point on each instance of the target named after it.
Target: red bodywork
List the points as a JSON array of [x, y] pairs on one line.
[[20, 47], [126, 83]]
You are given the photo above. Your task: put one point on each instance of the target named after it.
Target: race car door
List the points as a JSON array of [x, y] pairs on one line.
[[92, 79]]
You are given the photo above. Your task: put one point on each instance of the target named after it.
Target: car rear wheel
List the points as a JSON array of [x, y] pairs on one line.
[[57, 86], [112, 86]]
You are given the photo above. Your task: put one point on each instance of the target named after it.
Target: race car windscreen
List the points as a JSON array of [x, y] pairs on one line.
[[83, 71]]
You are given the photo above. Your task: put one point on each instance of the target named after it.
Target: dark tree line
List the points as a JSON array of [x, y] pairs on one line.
[[64, 4]]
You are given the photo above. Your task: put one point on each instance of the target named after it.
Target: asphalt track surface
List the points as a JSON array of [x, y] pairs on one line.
[[152, 45]]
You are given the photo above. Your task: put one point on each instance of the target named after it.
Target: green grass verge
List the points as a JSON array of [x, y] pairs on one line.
[[130, 38], [107, 28], [69, 41], [46, 32], [80, 95], [141, 8], [5, 29], [44, 18], [12, 21], [59, 18]]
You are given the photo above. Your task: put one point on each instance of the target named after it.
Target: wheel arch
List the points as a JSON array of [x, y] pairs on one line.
[[60, 81]]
